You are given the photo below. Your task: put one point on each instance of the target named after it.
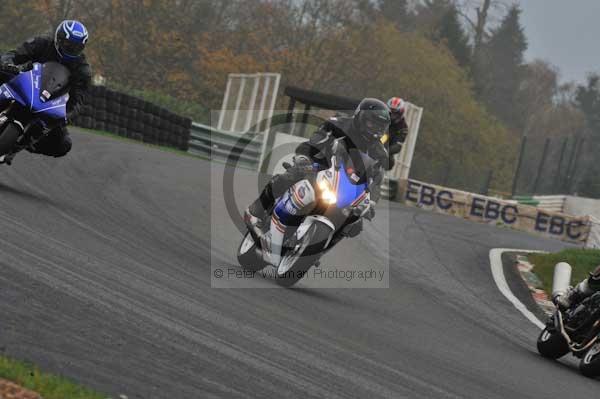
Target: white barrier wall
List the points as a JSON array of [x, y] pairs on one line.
[[582, 206], [554, 203], [493, 211]]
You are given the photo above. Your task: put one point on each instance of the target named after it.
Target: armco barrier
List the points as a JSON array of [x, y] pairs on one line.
[[132, 117], [554, 203], [240, 149], [494, 211]]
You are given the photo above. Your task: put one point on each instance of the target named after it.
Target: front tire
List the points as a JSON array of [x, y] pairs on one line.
[[8, 138], [552, 345], [590, 364], [249, 256], [301, 260]]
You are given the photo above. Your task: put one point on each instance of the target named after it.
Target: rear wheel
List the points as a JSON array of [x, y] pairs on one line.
[[590, 364], [8, 138], [552, 345], [249, 256], [308, 250]]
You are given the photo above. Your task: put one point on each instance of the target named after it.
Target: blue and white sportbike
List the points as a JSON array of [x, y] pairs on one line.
[[312, 216], [32, 103]]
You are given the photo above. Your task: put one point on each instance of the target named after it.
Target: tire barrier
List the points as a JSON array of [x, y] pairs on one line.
[[134, 118]]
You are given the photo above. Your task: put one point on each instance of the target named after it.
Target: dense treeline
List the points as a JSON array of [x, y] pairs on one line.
[[460, 59]]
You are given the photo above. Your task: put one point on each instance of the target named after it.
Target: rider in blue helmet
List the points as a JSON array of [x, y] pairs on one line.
[[65, 46], [70, 39]]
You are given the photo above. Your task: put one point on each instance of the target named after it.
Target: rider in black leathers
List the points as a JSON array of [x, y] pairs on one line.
[[584, 289], [66, 47], [362, 131], [398, 127]]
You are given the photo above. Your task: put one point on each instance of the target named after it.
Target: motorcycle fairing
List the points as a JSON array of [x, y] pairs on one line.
[[25, 89], [348, 191]]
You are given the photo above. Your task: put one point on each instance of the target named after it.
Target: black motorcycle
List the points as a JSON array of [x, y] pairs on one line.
[[575, 330]]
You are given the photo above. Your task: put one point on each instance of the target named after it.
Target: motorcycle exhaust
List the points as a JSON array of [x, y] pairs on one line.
[[561, 280]]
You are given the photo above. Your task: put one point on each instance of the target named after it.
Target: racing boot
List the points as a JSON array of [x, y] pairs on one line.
[[8, 158], [256, 213]]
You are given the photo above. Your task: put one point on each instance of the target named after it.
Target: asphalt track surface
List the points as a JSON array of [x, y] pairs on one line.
[[105, 277]]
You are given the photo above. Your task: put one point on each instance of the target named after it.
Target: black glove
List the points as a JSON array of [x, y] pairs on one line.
[[28, 66], [10, 68], [70, 117], [371, 212], [395, 148], [302, 167]]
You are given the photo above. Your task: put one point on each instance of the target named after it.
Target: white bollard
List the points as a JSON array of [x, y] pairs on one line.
[[562, 279]]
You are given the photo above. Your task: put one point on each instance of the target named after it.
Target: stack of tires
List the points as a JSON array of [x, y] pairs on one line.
[[129, 116]]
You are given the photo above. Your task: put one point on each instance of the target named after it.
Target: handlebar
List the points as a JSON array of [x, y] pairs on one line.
[[16, 69]]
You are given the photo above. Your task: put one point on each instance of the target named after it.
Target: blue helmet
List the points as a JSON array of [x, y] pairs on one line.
[[70, 39]]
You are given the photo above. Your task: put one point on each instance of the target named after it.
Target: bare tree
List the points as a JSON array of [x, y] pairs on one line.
[[479, 16]]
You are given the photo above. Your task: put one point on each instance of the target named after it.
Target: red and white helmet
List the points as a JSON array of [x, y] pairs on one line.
[[397, 105]]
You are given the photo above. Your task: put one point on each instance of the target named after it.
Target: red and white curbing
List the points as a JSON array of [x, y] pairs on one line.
[[534, 284], [498, 274]]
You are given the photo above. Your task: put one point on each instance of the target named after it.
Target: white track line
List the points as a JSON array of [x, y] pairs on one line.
[[498, 274]]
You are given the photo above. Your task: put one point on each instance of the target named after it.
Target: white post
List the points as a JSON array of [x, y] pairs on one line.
[[238, 103], [263, 100], [251, 110], [273, 100], [267, 131], [225, 101]]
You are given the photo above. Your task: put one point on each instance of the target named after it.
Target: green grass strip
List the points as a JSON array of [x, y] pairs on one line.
[[47, 385], [583, 262]]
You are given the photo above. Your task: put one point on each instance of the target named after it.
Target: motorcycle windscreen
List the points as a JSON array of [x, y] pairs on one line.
[[49, 81], [348, 191], [55, 80]]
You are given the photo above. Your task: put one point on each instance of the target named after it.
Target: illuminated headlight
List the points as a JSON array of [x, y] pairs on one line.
[[327, 194]]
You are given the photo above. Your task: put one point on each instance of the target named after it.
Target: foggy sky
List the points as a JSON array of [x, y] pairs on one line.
[[564, 32]]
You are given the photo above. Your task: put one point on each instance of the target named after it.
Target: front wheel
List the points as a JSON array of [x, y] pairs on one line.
[[8, 138], [249, 256], [590, 364], [552, 345], [296, 262]]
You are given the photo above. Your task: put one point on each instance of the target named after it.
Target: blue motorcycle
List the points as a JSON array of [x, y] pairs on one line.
[[312, 216], [32, 103]]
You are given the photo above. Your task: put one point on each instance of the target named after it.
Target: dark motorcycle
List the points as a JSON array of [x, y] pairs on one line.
[[32, 103], [575, 330]]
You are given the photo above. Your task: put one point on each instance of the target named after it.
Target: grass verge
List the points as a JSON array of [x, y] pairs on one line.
[[583, 262], [47, 385]]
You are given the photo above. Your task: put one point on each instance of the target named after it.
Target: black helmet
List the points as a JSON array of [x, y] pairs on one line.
[[372, 119]]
